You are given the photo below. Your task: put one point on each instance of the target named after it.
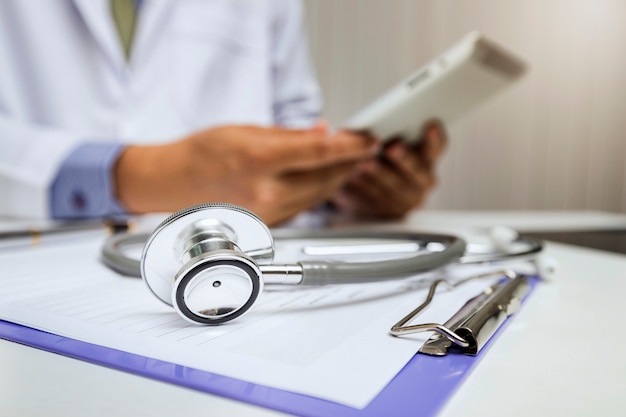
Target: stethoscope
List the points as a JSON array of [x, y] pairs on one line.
[[211, 261]]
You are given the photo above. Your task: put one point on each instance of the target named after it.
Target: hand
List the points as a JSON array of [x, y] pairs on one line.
[[395, 183], [275, 173]]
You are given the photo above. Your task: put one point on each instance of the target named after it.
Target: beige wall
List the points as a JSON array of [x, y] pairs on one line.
[[557, 140]]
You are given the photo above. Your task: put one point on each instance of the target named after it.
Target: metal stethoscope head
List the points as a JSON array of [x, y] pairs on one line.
[[211, 261], [205, 261]]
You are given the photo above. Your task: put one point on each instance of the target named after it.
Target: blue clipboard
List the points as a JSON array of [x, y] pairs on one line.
[[421, 388]]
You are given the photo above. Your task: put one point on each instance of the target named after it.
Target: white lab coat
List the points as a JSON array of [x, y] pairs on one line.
[[194, 64]]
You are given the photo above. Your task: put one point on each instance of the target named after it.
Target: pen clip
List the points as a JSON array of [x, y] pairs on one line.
[[468, 330]]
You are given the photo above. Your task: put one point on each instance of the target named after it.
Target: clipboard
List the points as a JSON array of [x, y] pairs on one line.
[[421, 388]]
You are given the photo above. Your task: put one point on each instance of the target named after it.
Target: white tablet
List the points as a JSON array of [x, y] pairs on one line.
[[453, 84]]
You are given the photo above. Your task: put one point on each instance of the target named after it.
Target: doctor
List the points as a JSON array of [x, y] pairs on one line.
[[116, 106]]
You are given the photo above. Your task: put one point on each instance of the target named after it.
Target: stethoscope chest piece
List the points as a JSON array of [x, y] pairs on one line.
[[214, 279]]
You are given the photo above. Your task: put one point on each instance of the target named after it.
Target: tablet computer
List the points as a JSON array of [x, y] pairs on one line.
[[450, 86]]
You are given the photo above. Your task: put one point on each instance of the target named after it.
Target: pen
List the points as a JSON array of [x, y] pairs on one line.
[[33, 234]]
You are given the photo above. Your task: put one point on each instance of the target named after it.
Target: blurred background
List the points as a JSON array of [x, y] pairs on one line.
[[554, 141]]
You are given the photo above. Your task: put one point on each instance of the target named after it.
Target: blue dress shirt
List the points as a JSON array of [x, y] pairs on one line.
[[83, 187]]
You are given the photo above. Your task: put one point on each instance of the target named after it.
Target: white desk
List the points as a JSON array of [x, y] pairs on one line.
[[562, 354]]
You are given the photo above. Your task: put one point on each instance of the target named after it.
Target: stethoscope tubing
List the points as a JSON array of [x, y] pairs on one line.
[[328, 272]]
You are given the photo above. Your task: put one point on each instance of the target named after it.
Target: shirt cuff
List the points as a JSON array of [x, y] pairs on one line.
[[83, 187]]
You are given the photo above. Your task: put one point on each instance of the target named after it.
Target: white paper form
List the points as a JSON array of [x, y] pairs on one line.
[[329, 342]]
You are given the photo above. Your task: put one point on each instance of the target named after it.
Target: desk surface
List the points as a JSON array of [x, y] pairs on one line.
[[561, 354]]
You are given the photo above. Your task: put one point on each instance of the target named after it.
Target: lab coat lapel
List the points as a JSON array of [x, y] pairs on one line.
[[152, 15], [97, 17]]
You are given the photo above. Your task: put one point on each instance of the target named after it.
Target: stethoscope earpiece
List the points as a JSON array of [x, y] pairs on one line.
[[502, 237], [546, 266]]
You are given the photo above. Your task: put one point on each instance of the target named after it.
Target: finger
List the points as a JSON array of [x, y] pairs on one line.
[[306, 189], [317, 185], [433, 143], [408, 164], [378, 191], [405, 182], [321, 126], [366, 184], [403, 159], [311, 149], [383, 190], [360, 201], [284, 196]]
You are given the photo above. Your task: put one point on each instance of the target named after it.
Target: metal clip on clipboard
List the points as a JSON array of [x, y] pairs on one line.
[[472, 326]]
